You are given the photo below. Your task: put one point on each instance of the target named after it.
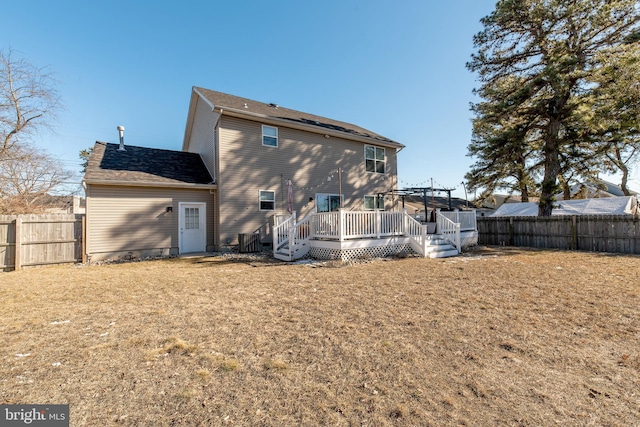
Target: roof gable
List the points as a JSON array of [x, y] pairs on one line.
[[145, 165], [251, 108]]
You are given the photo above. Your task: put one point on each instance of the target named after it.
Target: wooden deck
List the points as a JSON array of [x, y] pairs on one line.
[[348, 235]]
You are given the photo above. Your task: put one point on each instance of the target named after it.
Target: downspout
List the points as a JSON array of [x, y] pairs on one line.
[[216, 163]]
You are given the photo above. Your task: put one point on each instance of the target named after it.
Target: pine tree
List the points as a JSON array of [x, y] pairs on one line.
[[536, 60]]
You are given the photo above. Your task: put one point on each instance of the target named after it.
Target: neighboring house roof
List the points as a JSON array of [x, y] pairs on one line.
[[145, 166], [497, 200], [417, 203], [253, 109], [603, 206], [597, 189]]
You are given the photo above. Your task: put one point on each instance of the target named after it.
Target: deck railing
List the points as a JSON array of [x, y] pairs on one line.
[[448, 229], [344, 225], [466, 219]]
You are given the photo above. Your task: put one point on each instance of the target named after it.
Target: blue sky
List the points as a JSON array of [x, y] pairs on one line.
[[396, 68]]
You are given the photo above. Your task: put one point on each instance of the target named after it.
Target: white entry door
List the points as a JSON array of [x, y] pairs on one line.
[[193, 227]]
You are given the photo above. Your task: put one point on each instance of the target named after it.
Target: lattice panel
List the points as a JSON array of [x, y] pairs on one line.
[[360, 253]]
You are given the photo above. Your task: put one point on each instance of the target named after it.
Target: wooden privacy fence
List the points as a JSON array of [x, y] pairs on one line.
[[31, 240], [597, 233]]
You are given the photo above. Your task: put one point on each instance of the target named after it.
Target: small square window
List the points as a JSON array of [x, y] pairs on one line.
[[267, 200], [269, 136]]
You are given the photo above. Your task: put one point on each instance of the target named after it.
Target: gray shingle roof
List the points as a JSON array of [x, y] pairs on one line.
[[145, 165], [240, 104]]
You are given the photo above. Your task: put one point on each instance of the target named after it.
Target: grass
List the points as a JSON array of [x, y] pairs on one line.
[[497, 337]]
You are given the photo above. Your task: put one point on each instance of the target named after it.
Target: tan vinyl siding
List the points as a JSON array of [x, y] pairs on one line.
[[123, 219], [202, 139], [308, 159]]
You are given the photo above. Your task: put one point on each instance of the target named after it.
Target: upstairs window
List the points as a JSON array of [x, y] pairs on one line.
[[269, 136], [267, 200], [374, 159]]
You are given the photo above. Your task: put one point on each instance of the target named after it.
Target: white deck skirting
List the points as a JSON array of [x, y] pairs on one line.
[[359, 248]]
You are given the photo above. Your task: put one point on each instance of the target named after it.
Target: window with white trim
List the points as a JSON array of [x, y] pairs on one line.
[[267, 200], [373, 203], [374, 159], [328, 202], [269, 136]]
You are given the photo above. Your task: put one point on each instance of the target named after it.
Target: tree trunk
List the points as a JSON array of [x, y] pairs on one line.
[[551, 169], [624, 169], [566, 191], [522, 182], [623, 181]]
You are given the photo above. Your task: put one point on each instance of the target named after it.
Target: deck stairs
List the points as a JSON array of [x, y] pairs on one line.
[[439, 247]]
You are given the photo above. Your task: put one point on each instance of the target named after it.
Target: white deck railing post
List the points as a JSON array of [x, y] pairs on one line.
[[292, 234], [341, 225], [423, 242], [378, 220]]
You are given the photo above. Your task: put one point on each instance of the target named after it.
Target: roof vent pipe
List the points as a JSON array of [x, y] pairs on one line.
[[121, 133]]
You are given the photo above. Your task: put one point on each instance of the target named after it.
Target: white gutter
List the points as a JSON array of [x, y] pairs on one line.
[[148, 184]]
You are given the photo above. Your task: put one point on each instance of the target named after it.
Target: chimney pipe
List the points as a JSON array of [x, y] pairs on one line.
[[121, 133]]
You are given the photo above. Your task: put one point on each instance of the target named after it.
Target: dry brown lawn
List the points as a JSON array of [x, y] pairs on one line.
[[509, 337]]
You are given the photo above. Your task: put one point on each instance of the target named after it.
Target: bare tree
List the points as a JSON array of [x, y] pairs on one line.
[[27, 178], [28, 100]]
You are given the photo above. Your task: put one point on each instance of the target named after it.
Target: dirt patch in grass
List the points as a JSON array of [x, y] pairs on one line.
[[495, 337]]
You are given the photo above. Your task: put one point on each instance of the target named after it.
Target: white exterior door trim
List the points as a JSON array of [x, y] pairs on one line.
[[195, 240]]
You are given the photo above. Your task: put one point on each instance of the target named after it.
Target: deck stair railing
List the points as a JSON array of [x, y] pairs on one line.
[[300, 236], [291, 238], [417, 233], [448, 229]]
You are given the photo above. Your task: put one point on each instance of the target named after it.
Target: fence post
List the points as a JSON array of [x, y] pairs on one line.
[[510, 231], [83, 244], [18, 246], [574, 232], [378, 217]]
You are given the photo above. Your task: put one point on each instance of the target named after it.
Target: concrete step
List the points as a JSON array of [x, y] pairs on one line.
[[444, 253], [282, 256]]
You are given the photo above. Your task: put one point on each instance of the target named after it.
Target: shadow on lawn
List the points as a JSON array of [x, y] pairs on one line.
[[217, 260]]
